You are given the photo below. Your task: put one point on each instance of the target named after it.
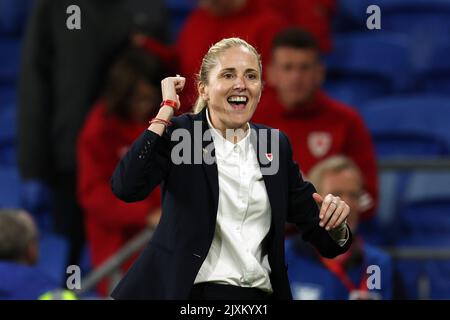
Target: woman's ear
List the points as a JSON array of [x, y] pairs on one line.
[[263, 85], [203, 91]]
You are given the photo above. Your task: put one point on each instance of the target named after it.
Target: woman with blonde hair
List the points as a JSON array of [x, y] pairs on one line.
[[228, 187]]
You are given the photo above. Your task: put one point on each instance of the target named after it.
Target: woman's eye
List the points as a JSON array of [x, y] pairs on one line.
[[228, 75], [252, 76]]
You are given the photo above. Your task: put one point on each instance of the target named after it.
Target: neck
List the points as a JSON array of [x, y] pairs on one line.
[[234, 135]]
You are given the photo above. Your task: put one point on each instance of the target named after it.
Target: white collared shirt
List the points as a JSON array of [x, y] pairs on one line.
[[237, 256]]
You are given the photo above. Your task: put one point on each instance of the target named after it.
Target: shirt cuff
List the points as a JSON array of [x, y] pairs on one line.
[[340, 235]]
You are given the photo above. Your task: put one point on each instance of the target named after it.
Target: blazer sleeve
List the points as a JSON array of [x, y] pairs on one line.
[[93, 185], [304, 212], [144, 166]]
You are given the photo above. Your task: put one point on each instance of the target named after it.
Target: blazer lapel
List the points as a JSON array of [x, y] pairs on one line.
[[266, 156], [208, 151]]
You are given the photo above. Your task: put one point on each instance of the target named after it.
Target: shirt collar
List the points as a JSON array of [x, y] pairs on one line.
[[223, 146]]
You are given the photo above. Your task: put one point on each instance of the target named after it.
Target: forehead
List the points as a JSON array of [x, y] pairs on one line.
[[237, 58], [294, 54], [344, 179]]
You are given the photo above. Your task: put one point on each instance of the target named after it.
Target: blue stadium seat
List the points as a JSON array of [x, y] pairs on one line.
[[426, 23], [7, 124], [179, 10], [412, 273], [424, 214], [416, 17], [383, 228], [425, 208], [8, 155], [423, 278], [9, 60], [35, 198], [439, 277], [7, 95], [378, 60], [9, 187], [406, 16], [349, 15], [53, 256], [410, 125], [434, 76], [356, 90], [35, 195], [13, 15], [7, 135]]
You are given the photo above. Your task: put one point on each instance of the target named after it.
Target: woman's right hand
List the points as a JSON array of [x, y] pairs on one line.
[[171, 86]]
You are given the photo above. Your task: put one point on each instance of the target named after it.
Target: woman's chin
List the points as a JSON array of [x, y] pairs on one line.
[[239, 121]]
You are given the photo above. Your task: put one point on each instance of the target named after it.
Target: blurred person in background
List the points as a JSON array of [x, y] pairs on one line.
[[131, 98], [62, 73], [252, 20], [345, 277], [19, 254], [315, 16], [318, 126]]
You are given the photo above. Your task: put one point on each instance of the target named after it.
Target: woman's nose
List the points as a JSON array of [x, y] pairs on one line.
[[239, 83]]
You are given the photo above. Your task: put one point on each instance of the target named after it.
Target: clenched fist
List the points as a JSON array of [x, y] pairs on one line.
[[171, 86]]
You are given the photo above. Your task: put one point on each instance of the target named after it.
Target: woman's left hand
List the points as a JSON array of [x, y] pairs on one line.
[[333, 211]]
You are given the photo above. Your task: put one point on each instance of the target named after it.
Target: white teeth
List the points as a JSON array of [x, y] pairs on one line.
[[237, 99]]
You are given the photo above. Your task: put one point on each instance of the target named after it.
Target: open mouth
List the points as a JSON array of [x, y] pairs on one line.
[[238, 102]]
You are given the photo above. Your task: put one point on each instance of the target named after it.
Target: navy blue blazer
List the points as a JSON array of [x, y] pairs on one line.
[[168, 265]]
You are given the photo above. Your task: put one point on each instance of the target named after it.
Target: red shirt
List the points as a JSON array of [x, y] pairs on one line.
[[321, 129], [314, 16], [110, 222], [256, 23]]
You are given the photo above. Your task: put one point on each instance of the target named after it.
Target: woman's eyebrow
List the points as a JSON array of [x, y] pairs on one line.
[[234, 69], [228, 70]]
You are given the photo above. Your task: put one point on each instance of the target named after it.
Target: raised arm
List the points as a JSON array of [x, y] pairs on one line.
[[147, 162]]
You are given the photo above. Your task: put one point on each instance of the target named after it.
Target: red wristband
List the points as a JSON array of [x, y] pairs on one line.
[[170, 103], [158, 120]]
